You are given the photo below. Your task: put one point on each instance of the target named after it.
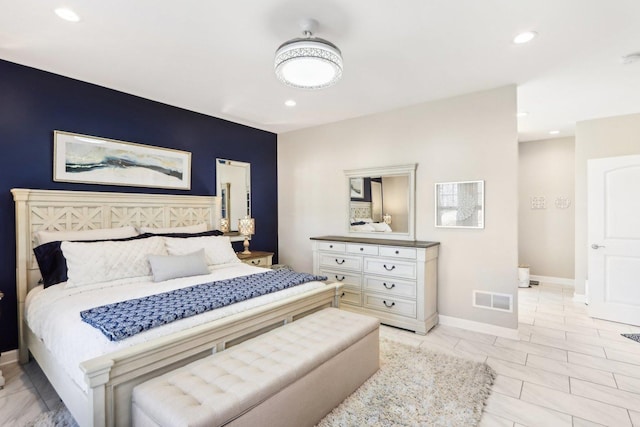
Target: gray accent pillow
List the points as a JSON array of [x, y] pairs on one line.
[[166, 267]]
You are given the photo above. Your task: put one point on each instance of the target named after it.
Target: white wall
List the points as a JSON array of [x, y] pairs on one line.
[[546, 239], [609, 137], [469, 137]]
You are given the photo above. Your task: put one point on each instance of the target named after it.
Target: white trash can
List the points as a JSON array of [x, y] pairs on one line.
[[523, 276]]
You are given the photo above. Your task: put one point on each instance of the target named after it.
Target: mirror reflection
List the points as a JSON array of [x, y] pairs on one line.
[[381, 201], [233, 184], [379, 204]]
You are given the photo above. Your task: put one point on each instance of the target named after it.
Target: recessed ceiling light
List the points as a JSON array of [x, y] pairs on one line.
[[522, 114], [67, 14], [554, 132], [290, 103], [525, 37]]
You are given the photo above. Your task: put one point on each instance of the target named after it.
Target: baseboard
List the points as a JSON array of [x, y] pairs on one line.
[[554, 280], [7, 357], [474, 326], [581, 298]]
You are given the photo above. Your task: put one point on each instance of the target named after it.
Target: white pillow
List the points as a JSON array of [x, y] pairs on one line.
[[43, 237], [217, 249], [381, 226], [96, 262], [196, 228], [165, 267]]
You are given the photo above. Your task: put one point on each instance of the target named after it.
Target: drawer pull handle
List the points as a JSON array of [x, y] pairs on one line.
[[361, 249], [343, 294], [256, 262], [339, 279], [340, 262], [330, 246], [393, 285], [389, 305], [393, 267], [397, 252]]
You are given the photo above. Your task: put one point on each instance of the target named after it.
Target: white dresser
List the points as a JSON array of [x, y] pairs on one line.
[[393, 280]]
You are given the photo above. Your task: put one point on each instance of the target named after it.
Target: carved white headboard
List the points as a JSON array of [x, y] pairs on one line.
[[360, 210], [82, 210]]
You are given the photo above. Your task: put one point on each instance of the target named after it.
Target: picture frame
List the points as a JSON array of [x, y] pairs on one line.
[[459, 204], [94, 160], [356, 186]]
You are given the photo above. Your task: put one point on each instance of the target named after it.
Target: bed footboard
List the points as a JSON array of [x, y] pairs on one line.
[[111, 378]]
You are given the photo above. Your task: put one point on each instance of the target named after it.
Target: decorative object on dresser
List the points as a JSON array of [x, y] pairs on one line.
[[394, 280], [247, 227], [93, 160], [257, 258]]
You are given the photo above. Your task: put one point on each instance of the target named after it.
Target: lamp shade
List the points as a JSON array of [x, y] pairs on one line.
[[246, 226], [386, 218], [224, 225], [308, 63]]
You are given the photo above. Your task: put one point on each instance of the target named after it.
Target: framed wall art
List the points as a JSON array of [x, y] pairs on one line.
[[94, 160], [460, 204], [357, 188]]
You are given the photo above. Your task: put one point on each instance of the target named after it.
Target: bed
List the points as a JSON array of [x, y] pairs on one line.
[[361, 219], [103, 399]]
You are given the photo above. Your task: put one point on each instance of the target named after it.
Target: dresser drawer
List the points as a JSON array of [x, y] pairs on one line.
[[351, 297], [392, 287], [342, 262], [342, 277], [362, 249], [332, 246], [397, 252], [390, 267], [390, 305]]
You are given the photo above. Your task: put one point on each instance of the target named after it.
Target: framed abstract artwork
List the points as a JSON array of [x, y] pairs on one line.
[[357, 188], [94, 160], [460, 204]]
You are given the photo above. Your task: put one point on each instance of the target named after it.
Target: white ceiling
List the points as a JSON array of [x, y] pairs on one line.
[[216, 57]]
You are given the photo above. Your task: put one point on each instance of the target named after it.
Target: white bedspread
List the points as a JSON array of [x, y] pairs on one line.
[[53, 314]]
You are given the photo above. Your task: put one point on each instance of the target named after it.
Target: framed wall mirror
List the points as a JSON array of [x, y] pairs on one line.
[[233, 185], [460, 204], [382, 202]]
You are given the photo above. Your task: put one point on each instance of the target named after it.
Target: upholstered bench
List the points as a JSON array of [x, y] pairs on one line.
[[291, 376]]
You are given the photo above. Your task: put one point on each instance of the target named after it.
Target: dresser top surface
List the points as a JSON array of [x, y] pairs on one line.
[[387, 242]]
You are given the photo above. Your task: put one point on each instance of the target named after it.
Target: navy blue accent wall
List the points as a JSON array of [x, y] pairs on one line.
[[34, 103]]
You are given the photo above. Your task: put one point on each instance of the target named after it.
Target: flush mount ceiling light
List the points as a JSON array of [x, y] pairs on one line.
[[308, 62]]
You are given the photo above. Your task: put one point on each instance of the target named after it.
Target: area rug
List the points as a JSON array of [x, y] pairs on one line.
[[417, 387], [635, 337], [414, 387]]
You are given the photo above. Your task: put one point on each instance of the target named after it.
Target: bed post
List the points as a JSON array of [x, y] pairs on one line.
[[20, 196]]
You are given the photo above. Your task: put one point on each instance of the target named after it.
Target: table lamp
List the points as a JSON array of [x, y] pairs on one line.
[[246, 227], [224, 225]]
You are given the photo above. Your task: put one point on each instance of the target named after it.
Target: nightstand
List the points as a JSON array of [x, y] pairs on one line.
[[257, 258]]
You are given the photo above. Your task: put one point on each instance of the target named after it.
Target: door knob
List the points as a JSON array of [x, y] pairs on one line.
[[594, 246]]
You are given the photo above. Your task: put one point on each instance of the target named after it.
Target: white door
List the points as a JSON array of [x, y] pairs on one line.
[[614, 238]]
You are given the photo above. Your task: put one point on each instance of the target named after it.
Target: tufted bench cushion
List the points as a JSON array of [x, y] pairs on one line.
[[221, 388]]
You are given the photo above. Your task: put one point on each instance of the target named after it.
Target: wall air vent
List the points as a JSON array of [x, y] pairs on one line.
[[493, 301]]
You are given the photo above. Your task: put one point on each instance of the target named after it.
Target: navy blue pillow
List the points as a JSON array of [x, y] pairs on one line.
[[53, 265]]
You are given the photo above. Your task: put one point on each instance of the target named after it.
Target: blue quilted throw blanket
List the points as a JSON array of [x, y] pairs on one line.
[[126, 318]]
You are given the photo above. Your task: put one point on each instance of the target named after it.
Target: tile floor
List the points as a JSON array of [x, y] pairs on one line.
[[567, 369]]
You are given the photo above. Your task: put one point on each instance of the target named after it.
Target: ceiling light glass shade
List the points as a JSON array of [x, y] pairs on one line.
[[308, 63]]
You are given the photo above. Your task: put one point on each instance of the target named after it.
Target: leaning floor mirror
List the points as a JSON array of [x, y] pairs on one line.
[[233, 185], [460, 204]]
